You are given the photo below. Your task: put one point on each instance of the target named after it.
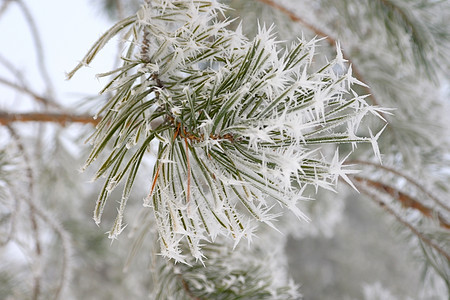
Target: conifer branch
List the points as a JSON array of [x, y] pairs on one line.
[[33, 220], [222, 109], [420, 38]]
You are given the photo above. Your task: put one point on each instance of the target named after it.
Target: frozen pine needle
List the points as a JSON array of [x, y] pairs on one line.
[[240, 123]]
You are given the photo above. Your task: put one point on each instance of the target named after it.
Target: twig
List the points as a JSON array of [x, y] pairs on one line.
[[362, 187], [27, 91], [145, 41], [405, 200], [61, 118], [408, 178], [38, 45], [188, 289], [332, 41]]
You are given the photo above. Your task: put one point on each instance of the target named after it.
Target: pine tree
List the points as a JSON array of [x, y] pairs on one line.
[[234, 136]]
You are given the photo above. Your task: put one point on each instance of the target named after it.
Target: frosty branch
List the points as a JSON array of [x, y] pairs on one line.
[[236, 122], [405, 200], [363, 185]]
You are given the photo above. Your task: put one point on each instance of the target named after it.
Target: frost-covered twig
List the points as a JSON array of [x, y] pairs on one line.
[[405, 200], [411, 180], [363, 187], [28, 92]]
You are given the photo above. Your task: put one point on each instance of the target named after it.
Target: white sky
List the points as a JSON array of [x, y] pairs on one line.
[[67, 29]]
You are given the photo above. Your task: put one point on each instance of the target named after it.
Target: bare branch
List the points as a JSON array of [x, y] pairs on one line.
[[37, 44], [61, 118], [408, 178], [405, 200], [362, 186], [28, 92]]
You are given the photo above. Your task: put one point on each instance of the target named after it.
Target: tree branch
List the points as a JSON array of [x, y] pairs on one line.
[[61, 118], [364, 188], [405, 200], [34, 224], [35, 210], [27, 91], [400, 174], [37, 45]]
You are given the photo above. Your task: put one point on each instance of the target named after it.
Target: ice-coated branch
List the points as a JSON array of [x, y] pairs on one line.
[[238, 123]]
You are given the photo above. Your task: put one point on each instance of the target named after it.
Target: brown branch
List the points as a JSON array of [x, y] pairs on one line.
[[61, 118], [332, 41], [387, 208], [404, 199], [408, 178]]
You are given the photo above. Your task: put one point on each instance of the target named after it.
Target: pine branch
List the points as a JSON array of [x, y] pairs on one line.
[[61, 118], [421, 41], [236, 121]]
